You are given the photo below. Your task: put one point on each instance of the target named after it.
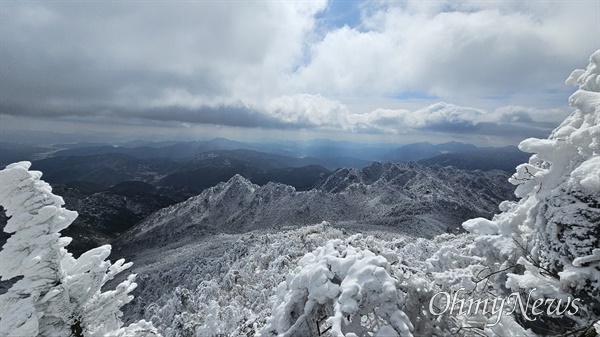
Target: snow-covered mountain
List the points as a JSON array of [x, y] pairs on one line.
[[220, 264], [411, 199]]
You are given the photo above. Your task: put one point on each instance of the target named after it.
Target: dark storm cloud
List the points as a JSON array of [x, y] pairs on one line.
[[62, 65], [125, 58], [221, 115]]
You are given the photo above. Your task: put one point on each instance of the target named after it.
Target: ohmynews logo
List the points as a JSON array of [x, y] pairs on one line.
[[499, 306]]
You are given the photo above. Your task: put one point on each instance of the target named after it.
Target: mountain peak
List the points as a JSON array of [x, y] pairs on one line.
[[238, 179]]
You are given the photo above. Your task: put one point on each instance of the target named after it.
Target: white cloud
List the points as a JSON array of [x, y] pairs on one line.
[[520, 114], [451, 118], [306, 110], [455, 49], [438, 116]]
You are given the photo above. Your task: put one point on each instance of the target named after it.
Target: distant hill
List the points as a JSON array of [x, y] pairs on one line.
[[301, 178], [10, 152], [174, 151], [264, 156], [423, 150], [504, 158], [260, 154], [213, 172], [259, 160], [327, 153], [187, 177], [103, 169], [132, 188]]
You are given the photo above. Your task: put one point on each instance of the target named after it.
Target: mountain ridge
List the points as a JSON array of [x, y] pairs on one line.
[[409, 198]]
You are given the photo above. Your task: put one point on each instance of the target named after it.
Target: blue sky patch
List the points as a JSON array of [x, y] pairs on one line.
[[340, 13]]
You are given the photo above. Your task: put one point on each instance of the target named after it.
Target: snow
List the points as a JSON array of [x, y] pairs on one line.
[[386, 331], [595, 256], [342, 283], [56, 291], [480, 226], [588, 174]]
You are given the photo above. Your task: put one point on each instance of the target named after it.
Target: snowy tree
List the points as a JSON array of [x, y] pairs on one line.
[[343, 289], [548, 244], [56, 295]]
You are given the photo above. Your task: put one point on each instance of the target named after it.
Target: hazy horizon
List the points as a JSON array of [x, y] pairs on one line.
[[41, 138]]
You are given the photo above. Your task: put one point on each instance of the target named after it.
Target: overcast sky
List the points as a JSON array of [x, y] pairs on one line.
[[486, 72]]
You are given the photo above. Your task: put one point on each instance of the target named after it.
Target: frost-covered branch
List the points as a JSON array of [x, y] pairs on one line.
[[558, 212], [57, 295]]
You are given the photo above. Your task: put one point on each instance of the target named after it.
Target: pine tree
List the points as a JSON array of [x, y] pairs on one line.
[[56, 295]]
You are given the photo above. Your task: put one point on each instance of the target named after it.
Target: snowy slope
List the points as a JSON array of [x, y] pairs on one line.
[[224, 284]]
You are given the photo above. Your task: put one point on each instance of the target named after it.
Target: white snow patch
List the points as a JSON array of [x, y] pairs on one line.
[[588, 174]]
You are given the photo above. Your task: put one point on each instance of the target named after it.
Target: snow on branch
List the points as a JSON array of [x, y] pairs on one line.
[[57, 295], [558, 212], [340, 289]]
